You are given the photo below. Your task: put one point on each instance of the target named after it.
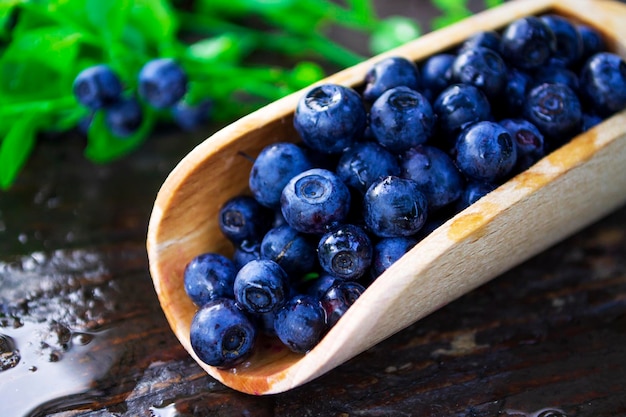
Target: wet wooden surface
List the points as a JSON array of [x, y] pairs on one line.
[[78, 310]]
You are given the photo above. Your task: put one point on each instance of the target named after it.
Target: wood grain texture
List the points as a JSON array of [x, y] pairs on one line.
[[565, 192]]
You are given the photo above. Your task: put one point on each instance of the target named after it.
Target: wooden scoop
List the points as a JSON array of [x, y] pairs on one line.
[[565, 191]]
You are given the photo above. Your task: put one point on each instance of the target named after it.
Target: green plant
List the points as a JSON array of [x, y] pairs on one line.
[[44, 44]]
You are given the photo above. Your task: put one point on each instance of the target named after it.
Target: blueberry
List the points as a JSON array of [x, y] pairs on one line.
[[603, 83], [365, 162], [590, 121], [345, 252], [330, 117], [401, 118], [437, 74], [394, 207], [261, 286], [474, 190], [209, 276], [243, 218], [314, 200], [435, 173], [162, 82], [290, 249], [339, 298], [245, 252], [389, 73], [569, 43], [221, 334], [517, 85], [320, 285], [593, 42], [555, 110], [486, 39], [191, 117], [527, 43], [458, 106], [481, 67], [123, 117], [529, 141], [300, 323], [485, 151], [387, 251], [557, 75], [97, 86], [273, 168]]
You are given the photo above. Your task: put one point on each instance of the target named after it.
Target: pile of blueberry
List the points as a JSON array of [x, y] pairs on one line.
[[381, 166], [161, 84]]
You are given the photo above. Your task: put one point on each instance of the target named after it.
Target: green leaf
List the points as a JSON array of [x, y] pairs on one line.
[[229, 47], [447, 20], [306, 73], [493, 3], [155, 19], [103, 146], [108, 16], [392, 32], [16, 147], [39, 64], [8, 12], [450, 6]]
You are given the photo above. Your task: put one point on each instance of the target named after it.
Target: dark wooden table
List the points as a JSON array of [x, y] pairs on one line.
[[79, 313]]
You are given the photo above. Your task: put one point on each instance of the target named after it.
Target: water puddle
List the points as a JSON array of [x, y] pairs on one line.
[[53, 347], [54, 372]]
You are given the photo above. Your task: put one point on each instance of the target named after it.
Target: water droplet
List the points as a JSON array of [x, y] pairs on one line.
[[9, 355], [167, 411]]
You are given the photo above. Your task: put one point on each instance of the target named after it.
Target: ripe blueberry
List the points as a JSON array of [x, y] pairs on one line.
[[243, 218], [261, 286], [209, 276], [485, 151], [221, 334], [528, 43], [387, 251], [290, 249], [394, 207], [339, 298], [603, 83], [556, 111], [458, 106], [123, 117], [97, 86], [345, 252], [300, 323], [273, 168], [389, 73], [330, 117], [365, 162], [162, 82], [401, 118], [435, 174], [314, 200]]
